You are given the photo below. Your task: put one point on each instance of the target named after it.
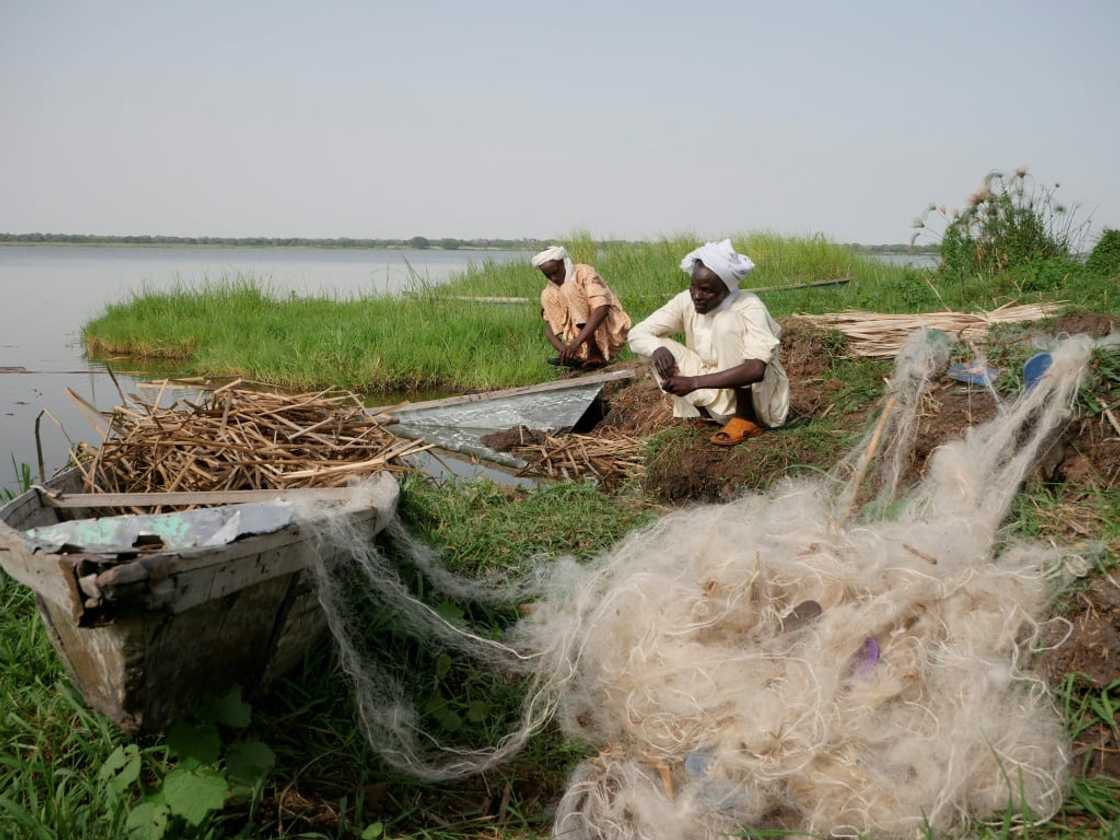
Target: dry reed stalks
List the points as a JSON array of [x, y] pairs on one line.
[[236, 438], [877, 335], [609, 458]]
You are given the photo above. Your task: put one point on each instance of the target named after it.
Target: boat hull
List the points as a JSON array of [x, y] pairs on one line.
[[145, 638]]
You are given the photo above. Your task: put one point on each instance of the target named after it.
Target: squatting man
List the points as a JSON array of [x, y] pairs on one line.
[[583, 319], [728, 369]]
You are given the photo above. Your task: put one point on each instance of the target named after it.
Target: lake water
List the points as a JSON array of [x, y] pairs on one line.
[[49, 291], [916, 260]]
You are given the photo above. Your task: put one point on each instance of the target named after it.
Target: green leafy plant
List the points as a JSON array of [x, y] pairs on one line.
[[1105, 256], [209, 772], [1101, 388], [1010, 221]]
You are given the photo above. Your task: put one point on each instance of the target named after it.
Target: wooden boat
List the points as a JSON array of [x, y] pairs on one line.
[[146, 629], [459, 424]]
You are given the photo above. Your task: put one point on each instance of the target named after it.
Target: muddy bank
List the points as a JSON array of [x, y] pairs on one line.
[[1091, 657]]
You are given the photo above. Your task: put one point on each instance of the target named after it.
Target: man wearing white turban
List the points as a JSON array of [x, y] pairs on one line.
[[728, 368], [583, 319]]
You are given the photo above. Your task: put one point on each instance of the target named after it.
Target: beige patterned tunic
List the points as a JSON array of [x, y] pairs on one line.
[[568, 307]]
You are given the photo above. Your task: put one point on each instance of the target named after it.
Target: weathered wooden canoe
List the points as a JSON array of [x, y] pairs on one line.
[[147, 627], [460, 423]]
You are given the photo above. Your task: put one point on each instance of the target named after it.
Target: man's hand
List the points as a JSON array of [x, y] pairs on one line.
[[664, 363], [570, 352], [678, 386]]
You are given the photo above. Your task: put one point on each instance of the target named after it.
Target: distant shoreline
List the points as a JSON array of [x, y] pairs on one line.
[[233, 246], [414, 243]]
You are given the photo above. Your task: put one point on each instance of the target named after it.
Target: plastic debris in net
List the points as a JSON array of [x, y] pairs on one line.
[[787, 656], [1035, 368], [973, 374], [173, 531], [866, 659]]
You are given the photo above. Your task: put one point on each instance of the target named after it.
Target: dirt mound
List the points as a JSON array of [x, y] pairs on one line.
[[949, 410], [1090, 323], [807, 354], [1091, 455], [638, 408], [687, 467], [1092, 651], [807, 350], [507, 439], [1093, 648]]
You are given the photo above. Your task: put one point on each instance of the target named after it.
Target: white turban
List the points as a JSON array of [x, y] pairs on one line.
[[556, 252], [721, 258]]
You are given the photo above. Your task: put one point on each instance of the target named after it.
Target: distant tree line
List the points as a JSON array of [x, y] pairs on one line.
[[418, 242], [421, 242]]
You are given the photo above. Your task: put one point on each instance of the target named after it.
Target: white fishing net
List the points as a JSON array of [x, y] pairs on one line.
[[832, 654]]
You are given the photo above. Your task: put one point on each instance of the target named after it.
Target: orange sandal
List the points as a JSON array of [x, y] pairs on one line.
[[736, 431]]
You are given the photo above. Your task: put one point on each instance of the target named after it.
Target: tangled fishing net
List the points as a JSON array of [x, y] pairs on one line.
[[845, 658]]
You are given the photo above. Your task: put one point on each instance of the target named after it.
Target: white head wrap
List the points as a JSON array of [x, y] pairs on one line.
[[721, 258], [556, 252]]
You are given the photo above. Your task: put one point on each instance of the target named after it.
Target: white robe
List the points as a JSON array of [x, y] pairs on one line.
[[739, 329]]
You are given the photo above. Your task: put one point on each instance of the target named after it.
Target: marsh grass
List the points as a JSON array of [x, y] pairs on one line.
[[646, 274], [241, 327], [427, 339]]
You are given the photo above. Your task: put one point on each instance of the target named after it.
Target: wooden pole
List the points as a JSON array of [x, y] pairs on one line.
[[182, 498], [520, 301], [867, 455]]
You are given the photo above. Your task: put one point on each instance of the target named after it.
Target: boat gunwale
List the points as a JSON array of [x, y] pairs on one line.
[[92, 581]]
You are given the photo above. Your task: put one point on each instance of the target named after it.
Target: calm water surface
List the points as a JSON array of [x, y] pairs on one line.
[[917, 260], [49, 291]]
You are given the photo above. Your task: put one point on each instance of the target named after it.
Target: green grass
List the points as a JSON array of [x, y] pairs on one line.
[[51, 746], [487, 527], [646, 274], [237, 327]]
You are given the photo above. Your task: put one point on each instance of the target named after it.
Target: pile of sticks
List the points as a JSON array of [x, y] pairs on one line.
[[609, 458], [236, 438], [876, 335]]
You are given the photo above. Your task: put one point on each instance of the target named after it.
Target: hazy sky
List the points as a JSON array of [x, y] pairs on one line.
[[524, 118]]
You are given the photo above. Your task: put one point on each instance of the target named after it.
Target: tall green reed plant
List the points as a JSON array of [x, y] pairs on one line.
[[1008, 222]]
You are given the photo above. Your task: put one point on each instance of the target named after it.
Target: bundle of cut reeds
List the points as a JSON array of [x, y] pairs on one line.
[[237, 438], [609, 458], [878, 335]]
